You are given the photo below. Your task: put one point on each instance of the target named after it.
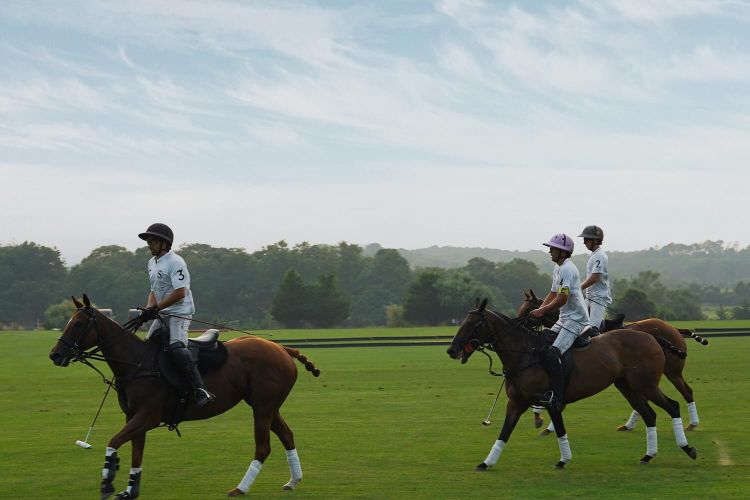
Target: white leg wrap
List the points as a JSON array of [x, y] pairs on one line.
[[295, 469], [679, 432], [565, 453], [536, 410], [652, 446], [133, 470], [252, 472], [551, 426], [109, 452], [495, 452], [693, 411], [630, 424]]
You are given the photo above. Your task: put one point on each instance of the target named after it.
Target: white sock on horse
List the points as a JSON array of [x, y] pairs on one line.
[[536, 410], [693, 411], [295, 469], [652, 446], [565, 453], [634, 415], [133, 470], [679, 432], [495, 452], [551, 426], [252, 472]]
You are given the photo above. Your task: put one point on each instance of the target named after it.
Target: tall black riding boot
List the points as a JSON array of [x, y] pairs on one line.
[[552, 364], [183, 360]]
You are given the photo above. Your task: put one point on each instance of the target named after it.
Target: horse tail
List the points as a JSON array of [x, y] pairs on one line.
[[691, 333], [669, 347], [302, 359]]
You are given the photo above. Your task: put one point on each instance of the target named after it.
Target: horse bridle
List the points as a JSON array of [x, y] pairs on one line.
[[476, 345]]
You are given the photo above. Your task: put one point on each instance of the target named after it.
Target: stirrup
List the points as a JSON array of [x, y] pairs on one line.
[[550, 400], [203, 397]]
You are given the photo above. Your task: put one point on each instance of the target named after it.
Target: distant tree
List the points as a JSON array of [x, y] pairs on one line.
[[723, 313], [742, 311], [384, 280], [290, 304], [458, 291], [679, 304], [327, 306], [58, 315], [32, 278], [394, 316], [635, 305], [422, 305]]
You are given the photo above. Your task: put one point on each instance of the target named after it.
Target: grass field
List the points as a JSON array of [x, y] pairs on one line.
[[399, 422]]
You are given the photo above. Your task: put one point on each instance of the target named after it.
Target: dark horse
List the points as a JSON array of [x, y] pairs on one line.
[[630, 359], [257, 371], [662, 331]]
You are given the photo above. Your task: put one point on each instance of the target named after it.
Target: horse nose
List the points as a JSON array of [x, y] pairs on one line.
[[451, 352], [57, 358]]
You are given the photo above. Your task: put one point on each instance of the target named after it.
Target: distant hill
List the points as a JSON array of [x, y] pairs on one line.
[[707, 263]]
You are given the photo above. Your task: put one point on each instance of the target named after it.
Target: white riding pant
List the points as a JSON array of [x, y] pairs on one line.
[[597, 311], [567, 333], [178, 329]]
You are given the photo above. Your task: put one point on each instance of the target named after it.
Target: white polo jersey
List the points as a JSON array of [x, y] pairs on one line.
[[566, 281], [599, 292], [168, 273]]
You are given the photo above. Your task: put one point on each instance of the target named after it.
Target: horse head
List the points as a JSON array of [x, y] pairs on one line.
[[473, 333], [531, 302], [79, 334]]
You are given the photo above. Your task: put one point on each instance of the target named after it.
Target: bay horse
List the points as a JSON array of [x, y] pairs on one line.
[[631, 359], [256, 370], [662, 331]]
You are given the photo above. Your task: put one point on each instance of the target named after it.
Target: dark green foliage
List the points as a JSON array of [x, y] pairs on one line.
[[290, 305], [742, 311], [321, 304], [32, 278], [635, 304]]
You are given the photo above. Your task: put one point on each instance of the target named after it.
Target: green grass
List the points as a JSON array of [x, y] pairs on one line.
[[379, 423]]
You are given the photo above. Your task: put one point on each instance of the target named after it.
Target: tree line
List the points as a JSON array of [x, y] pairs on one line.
[[314, 286]]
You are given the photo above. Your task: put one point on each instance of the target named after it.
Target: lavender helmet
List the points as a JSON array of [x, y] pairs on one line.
[[561, 241]]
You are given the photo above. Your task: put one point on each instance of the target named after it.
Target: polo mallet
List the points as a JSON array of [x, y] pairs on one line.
[[487, 420], [85, 443]]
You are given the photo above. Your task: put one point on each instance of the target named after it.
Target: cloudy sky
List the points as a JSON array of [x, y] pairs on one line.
[[455, 122]]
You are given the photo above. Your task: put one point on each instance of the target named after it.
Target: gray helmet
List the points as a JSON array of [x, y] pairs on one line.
[[593, 232], [160, 231]]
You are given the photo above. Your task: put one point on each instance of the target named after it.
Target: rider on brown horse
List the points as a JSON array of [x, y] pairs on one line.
[[596, 285], [170, 294], [566, 296]]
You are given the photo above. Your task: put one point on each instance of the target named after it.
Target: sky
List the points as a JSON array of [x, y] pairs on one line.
[[410, 124]]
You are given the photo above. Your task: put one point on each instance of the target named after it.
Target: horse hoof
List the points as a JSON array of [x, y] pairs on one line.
[[691, 427], [691, 452], [106, 490], [646, 459], [560, 465], [538, 421], [624, 428], [236, 492], [481, 467], [545, 432]]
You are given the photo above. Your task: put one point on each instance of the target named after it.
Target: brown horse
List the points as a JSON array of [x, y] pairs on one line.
[[662, 331], [631, 359], [257, 371]]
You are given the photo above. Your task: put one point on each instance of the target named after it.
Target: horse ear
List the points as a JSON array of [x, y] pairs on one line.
[[533, 295], [476, 303], [526, 294], [483, 305], [86, 301], [77, 304]]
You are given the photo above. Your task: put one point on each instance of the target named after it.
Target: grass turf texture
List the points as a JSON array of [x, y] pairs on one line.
[[397, 422]]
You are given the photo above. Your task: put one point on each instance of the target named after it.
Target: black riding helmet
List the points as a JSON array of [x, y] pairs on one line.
[[158, 230], [592, 232]]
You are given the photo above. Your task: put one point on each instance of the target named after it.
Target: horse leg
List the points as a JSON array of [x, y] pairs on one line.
[[134, 482], [640, 405], [687, 392], [630, 424], [513, 411], [135, 430], [262, 418], [562, 437], [673, 408], [538, 420], [286, 436]]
